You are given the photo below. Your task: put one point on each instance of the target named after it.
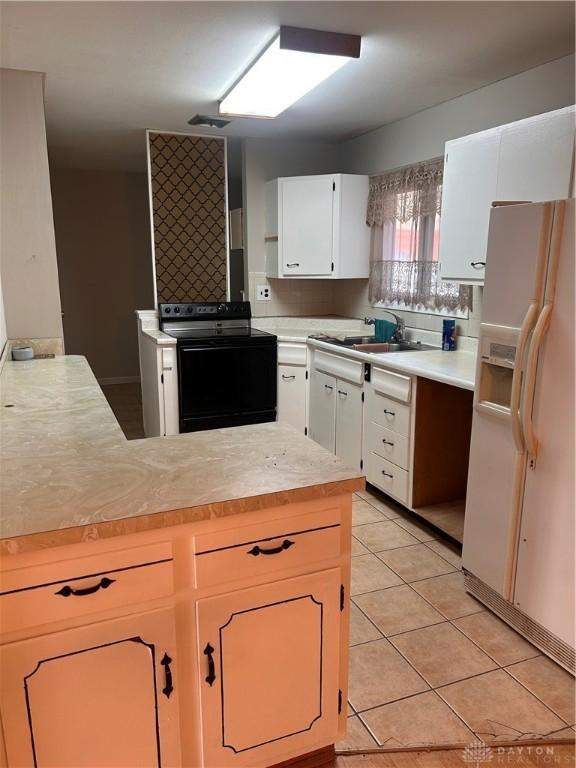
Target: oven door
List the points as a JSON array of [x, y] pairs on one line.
[[226, 383]]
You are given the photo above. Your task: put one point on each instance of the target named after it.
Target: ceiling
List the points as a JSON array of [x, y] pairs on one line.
[[116, 68]]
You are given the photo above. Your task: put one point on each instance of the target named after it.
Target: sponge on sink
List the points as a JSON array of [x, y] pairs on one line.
[[383, 330]]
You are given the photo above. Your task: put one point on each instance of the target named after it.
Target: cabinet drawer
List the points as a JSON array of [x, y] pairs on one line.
[[388, 444], [387, 413], [291, 354], [392, 384], [341, 367], [387, 476], [261, 550], [83, 594]]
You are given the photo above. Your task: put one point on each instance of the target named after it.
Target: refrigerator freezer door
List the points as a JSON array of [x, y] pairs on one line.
[[545, 571]]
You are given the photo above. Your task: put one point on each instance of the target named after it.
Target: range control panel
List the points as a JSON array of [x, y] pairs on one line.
[[206, 310]]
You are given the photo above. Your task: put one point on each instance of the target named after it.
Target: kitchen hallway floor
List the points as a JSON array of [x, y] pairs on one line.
[[429, 665]]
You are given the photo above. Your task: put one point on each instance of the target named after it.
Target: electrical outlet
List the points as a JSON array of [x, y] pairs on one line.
[[263, 293]]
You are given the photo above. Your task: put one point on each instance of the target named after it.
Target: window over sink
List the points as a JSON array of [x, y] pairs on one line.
[[404, 209]]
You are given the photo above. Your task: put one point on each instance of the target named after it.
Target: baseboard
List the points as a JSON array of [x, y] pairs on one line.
[[316, 759], [120, 380]]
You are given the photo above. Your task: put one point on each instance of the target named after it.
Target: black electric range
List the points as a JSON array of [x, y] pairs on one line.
[[227, 370]]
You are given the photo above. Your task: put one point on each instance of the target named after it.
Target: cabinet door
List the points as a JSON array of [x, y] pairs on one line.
[[470, 179], [269, 660], [97, 696], [322, 418], [349, 423], [535, 160], [292, 396], [305, 231]]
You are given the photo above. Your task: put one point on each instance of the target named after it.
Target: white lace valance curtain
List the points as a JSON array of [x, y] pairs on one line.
[[403, 210], [406, 193]]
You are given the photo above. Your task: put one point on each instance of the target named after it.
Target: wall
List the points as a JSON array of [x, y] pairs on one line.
[[105, 260], [28, 251], [422, 136], [265, 159], [3, 333]]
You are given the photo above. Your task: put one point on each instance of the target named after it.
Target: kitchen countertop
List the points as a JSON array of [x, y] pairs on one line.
[[68, 474], [456, 368]]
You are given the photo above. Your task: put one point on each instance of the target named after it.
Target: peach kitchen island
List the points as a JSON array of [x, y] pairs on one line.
[[178, 601]]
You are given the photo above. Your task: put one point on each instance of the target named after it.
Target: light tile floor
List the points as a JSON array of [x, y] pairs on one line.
[[429, 665]]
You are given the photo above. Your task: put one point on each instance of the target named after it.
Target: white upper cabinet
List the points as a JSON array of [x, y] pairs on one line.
[[316, 227], [470, 177], [530, 160]]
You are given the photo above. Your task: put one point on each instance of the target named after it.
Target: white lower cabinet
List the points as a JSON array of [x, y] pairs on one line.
[[322, 421], [292, 376], [349, 423], [388, 418], [336, 416]]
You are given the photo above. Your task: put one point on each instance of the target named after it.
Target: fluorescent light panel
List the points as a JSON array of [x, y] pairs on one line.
[[294, 63]]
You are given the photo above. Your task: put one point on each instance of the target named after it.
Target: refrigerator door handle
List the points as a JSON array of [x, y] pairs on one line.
[[516, 395], [530, 437], [540, 329]]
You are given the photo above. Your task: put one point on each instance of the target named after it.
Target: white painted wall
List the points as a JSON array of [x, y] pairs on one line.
[[28, 250], [422, 136]]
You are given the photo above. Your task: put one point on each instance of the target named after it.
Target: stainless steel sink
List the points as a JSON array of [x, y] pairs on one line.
[[367, 344]]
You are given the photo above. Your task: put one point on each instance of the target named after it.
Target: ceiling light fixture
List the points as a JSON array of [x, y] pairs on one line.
[[294, 63]]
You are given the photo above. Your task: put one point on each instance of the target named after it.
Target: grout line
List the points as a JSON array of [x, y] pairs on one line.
[[548, 707]]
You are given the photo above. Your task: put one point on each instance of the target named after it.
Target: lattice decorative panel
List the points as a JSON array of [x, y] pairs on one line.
[[188, 183]]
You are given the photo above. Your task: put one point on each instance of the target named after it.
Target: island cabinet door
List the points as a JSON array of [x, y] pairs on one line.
[[269, 671], [102, 696]]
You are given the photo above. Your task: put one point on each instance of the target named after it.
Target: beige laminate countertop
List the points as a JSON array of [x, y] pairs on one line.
[[68, 473]]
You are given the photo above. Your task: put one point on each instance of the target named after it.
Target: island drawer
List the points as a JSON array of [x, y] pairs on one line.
[[388, 444], [387, 412], [84, 589], [262, 549], [387, 476]]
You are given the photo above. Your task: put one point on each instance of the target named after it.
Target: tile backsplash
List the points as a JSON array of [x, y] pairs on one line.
[[292, 298], [345, 298]]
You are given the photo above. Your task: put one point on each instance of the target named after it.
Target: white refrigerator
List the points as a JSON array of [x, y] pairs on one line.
[[518, 550]]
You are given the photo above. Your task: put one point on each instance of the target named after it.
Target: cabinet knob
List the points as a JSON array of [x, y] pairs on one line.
[[341, 392], [287, 378], [294, 264], [328, 387], [286, 544], [387, 474], [388, 442], [478, 264], [389, 413]]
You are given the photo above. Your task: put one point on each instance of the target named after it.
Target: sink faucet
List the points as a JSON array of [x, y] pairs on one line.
[[399, 331]]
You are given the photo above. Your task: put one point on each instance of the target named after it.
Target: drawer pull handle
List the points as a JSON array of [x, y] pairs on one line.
[[478, 264], [327, 386], [387, 474], [287, 378], [286, 544], [294, 264], [66, 591], [389, 413], [388, 442], [211, 676], [341, 392], [168, 687]]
